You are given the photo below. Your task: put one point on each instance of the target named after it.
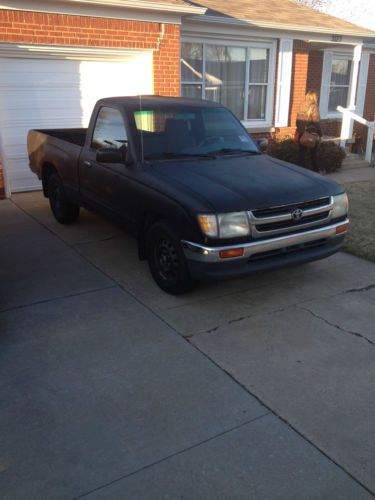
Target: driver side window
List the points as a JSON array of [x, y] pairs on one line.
[[109, 131]]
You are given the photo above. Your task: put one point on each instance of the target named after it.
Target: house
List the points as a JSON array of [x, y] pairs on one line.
[[258, 58]]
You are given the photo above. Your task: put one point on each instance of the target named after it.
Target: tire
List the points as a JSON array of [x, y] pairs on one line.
[[166, 259], [64, 211]]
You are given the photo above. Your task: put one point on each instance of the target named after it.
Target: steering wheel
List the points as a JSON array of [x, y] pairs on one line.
[[211, 140]]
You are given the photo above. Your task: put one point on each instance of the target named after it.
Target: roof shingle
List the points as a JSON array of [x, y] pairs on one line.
[[283, 14]]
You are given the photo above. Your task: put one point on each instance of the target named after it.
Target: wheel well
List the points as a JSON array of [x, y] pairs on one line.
[[47, 170], [144, 225]]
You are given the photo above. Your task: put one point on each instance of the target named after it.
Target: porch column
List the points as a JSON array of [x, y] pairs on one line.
[[353, 87], [284, 79]]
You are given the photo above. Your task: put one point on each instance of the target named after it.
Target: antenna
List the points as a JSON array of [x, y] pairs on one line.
[[140, 109]]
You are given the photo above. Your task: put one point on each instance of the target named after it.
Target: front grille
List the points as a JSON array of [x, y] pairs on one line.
[[292, 223], [287, 218], [284, 209]]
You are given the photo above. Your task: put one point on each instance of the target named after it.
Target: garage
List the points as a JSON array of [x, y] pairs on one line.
[[45, 88]]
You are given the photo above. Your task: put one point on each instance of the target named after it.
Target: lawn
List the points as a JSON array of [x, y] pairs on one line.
[[360, 240]]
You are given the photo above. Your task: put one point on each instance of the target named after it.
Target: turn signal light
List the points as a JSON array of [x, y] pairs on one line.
[[234, 252], [342, 229]]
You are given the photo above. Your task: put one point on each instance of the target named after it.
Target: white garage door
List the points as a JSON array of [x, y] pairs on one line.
[[58, 93]]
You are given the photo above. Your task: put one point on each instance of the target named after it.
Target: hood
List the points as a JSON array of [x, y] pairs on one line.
[[232, 183]]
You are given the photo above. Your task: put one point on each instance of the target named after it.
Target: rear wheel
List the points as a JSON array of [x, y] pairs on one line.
[[166, 259], [64, 211]]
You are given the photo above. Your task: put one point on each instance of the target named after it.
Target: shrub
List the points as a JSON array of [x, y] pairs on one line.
[[284, 149], [330, 154]]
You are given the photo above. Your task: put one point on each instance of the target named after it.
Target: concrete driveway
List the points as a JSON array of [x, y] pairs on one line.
[[254, 388]]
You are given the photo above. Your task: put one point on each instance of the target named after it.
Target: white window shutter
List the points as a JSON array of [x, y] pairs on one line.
[[362, 84], [284, 78], [326, 82]]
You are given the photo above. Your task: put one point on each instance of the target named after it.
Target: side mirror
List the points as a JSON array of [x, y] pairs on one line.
[[262, 144], [111, 155]]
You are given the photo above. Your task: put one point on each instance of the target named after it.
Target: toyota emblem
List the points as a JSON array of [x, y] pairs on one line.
[[297, 214]]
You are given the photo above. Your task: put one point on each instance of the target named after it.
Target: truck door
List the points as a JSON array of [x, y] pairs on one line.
[[106, 185]]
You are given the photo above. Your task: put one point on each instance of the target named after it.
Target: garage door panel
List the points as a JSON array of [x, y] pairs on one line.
[[39, 81], [40, 117], [20, 176], [61, 93], [21, 104]]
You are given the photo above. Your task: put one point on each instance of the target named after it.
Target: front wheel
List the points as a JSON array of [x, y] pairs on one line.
[[64, 211], [166, 259]]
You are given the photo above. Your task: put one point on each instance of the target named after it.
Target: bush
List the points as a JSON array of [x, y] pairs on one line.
[[284, 149], [330, 154]]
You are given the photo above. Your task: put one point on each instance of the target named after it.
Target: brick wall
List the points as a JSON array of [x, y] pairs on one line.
[[56, 29], [300, 70], [315, 69]]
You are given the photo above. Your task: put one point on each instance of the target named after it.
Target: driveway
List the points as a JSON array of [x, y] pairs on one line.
[[253, 388]]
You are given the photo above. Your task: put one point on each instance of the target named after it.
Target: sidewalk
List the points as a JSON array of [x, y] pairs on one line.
[[354, 174]]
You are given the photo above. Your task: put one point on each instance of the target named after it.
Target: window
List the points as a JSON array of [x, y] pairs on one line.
[[238, 77], [192, 70], [340, 82], [225, 76], [258, 83], [109, 129], [336, 83]]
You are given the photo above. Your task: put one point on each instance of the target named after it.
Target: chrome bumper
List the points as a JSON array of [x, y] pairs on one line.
[[201, 253]]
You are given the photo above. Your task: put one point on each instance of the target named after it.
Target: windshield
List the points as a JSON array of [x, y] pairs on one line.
[[188, 131]]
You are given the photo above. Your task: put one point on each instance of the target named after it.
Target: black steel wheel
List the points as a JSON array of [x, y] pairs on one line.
[[166, 259], [64, 211]]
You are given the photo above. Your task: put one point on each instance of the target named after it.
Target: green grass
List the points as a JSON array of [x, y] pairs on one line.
[[360, 240]]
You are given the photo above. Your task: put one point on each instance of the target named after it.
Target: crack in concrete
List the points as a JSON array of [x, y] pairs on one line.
[[237, 320], [338, 327], [362, 289]]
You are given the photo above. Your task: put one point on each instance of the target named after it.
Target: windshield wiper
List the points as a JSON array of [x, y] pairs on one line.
[[168, 155], [225, 151]]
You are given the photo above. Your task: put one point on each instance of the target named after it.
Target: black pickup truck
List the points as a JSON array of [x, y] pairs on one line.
[[188, 180]]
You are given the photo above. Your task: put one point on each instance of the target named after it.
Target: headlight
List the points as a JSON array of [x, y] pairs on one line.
[[230, 225], [341, 206], [208, 225], [233, 224]]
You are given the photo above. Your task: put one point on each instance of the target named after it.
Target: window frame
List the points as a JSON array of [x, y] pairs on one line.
[[248, 44]]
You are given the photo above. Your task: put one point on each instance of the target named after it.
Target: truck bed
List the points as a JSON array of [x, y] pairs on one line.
[[73, 135], [64, 146]]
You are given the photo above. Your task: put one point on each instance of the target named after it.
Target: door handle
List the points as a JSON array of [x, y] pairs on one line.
[[87, 163]]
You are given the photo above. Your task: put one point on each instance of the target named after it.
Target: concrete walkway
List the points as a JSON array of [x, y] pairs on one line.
[[254, 388], [354, 174]]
